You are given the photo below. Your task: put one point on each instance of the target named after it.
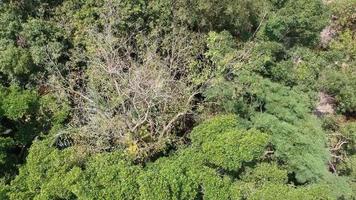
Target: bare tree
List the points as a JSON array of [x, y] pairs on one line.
[[133, 97]]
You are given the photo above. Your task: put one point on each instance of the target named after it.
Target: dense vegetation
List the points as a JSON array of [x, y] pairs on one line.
[[162, 99]]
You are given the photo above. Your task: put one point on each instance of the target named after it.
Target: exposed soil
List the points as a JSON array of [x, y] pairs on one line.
[[325, 106]]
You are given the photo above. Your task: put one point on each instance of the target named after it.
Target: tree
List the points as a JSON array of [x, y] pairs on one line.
[[297, 22], [236, 16]]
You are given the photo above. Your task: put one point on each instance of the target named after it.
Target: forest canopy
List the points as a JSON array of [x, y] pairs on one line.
[[177, 99]]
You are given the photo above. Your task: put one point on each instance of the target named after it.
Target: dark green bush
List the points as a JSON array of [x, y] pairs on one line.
[[297, 22]]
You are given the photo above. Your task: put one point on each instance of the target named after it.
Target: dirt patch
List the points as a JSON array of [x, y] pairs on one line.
[[325, 105], [326, 36], [326, 2]]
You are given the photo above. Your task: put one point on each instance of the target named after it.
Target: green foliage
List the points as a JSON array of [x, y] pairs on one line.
[[53, 173], [346, 44], [265, 57], [215, 187], [297, 22], [338, 79], [21, 106], [234, 147], [15, 61], [292, 130], [341, 84], [238, 17], [5, 144], [286, 192], [108, 176], [253, 93], [302, 68], [221, 49], [48, 173], [45, 41], [265, 173], [3, 190], [172, 178], [345, 12], [22, 121], [297, 66], [304, 153], [81, 17], [65, 174], [10, 23], [17, 109], [181, 175], [347, 168], [54, 111], [349, 131], [17, 103], [297, 137], [160, 99], [208, 131], [268, 181], [224, 94]]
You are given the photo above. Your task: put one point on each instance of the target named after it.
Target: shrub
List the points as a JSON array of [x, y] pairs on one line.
[[297, 22], [341, 85], [108, 176], [236, 16], [48, 173]]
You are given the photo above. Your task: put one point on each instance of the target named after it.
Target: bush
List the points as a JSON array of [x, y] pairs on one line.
[[236, 16], [48, 173], [108, 176], [340, 84], [3, 190], [345, 13], [201, 169], [265, 173], [281, 112], [280, 192], [233, 148], [297, 22]]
